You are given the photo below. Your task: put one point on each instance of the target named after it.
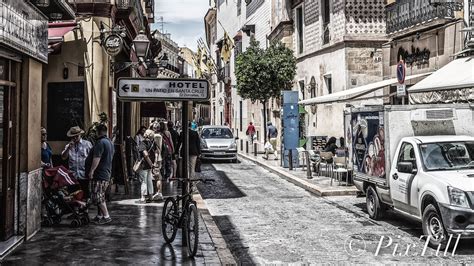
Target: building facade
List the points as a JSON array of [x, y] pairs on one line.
[[424, 36], [241, 20], [23, 57], [338, 46]]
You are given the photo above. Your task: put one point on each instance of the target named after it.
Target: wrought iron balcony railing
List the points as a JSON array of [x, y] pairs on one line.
[[407, 13], [124, 4]]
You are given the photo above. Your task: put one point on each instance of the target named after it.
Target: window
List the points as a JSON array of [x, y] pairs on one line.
[[237, 49], [216, 133], [239, 7], [301, 82], [326, 16], [328, 81], [65, 104], [313, 92], [299, 28], [407, 154]]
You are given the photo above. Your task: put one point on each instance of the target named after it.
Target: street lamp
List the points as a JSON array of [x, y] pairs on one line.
[[164, 60], [141, 44]]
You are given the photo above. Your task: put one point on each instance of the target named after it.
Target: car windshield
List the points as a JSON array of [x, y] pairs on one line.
[[448, 155], [216, 133]]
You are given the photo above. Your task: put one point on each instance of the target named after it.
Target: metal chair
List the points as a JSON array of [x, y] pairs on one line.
[[302, 157], [340, 168], [326, 163]]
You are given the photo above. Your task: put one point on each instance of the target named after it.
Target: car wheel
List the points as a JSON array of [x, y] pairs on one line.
[[433, 227], [375, 207]]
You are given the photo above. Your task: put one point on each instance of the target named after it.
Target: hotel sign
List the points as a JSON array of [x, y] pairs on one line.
[[24, 29], [143, 89]]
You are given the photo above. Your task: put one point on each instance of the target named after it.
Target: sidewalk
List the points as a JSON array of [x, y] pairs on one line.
[[319, 185], [133, 237]]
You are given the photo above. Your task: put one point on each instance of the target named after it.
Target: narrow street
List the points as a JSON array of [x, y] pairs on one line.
[[265, 219]]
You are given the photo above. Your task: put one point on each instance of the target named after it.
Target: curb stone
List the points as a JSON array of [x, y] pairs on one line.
[[225, 256], [315, 189]]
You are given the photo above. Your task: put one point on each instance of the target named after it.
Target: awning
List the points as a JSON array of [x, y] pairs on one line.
[[56, 31], [455, 75], [351, 94]]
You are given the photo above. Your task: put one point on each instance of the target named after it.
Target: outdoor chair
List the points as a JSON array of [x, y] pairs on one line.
[[340, 168], [325, 162], [302, 153]]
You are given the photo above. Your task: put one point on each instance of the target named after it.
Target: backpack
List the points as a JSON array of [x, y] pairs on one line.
[[167, 146]]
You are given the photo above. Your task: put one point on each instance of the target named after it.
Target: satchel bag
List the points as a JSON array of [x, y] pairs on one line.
[[139, 163], [137, 166]]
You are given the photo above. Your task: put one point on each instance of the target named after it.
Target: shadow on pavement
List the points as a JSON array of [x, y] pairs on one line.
[[221, 188], [233, 240]]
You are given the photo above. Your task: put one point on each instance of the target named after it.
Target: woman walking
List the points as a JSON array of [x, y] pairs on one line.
[[147, 153]]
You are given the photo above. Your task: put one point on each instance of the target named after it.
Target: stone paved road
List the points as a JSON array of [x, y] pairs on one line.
[[265, 219]]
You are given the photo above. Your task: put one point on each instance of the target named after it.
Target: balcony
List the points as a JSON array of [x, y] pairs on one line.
[[149, 6], [92, 7], [405, 14], [125, 4]]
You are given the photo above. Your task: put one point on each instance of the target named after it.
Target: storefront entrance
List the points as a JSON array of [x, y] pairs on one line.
[[8, 173]]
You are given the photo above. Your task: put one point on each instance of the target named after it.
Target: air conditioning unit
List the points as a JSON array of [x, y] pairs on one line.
[[439, 114]]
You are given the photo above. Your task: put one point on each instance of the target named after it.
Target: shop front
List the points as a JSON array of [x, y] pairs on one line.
[[23, 51]]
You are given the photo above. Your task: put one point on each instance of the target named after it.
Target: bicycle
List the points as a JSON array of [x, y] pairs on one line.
[[184, 215]]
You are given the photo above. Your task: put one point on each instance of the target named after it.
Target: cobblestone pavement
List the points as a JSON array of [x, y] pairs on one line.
[[271, 220], [133, 238]]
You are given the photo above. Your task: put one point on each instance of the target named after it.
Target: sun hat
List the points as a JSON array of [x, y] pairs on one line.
[[74, 131]]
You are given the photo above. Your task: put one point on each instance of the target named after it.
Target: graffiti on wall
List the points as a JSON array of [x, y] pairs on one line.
[[367, 138]]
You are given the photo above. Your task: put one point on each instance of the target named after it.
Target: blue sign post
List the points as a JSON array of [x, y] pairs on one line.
[[290, 127]]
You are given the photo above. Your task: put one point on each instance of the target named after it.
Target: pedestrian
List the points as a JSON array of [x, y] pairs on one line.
[[169, 150], [194, 125], [76, 152], [99, 168], [156, 171], [46, 151], [194, 150], [250, 132], [175, 140], [147, 153], [272, 134], [331, 145]]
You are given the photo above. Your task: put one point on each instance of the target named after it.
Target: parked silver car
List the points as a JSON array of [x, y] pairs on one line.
[[218, 143]]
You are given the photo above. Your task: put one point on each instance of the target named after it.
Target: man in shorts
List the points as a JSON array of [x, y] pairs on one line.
[[99, 166]]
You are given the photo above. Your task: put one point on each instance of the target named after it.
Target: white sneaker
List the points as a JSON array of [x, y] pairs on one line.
[[157, 196]]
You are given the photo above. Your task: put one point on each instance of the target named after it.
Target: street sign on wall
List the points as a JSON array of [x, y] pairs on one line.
[[401, 72], [401, 90], [152, 89]]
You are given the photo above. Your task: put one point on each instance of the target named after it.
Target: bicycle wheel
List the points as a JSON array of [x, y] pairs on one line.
[[192, 230], [168, 220]]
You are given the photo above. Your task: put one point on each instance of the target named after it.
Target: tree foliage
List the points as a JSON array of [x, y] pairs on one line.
[[263, 73]]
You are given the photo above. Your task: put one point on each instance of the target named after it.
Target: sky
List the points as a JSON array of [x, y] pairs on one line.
[[184, 19]]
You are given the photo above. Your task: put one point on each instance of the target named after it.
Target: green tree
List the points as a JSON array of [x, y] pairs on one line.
[[263, 73]]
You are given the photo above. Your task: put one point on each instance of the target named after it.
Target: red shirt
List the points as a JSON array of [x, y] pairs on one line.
[[250, 130]]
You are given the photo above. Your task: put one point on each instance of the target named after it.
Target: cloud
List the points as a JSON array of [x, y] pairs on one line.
[[184, 19], [181, 10]]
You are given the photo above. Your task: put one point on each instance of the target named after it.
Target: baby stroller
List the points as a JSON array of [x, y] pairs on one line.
[[62, 195]]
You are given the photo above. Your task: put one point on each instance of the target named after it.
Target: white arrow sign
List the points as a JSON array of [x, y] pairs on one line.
[[147, 89]]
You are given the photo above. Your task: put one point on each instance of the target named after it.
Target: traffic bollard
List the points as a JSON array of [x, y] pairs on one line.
[[247, 147], [241, 145], [290, 159], [255, 149], [308, 167]]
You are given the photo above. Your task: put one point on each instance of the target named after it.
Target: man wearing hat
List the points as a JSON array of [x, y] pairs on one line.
[[76, 152]]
